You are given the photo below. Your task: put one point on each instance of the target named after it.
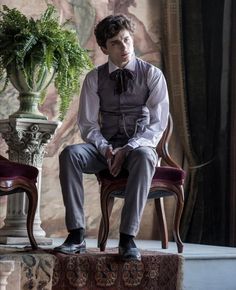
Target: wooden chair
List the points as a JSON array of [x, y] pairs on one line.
[[168, 180], [16, 177]]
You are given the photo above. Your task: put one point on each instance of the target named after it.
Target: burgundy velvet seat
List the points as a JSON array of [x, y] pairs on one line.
[[15, 178], [168, 180]]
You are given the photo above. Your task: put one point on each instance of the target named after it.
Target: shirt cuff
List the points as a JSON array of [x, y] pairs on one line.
[[127, 148], [103, 149]]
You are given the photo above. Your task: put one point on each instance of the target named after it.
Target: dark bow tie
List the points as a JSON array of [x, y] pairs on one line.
[[121, 76]]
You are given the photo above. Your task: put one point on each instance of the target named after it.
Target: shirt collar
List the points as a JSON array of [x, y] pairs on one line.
[[130, 65]]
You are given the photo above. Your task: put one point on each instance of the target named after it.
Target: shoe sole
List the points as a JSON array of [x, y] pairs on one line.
[[81, 251], [131, 259]]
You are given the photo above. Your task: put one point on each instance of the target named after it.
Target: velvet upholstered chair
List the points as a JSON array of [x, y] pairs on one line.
[[168, 180], [18, 178]]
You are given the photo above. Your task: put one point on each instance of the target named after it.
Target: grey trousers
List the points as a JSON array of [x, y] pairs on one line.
[[84, 158]]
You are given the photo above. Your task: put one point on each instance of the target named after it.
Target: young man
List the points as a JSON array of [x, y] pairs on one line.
[[123, 113]]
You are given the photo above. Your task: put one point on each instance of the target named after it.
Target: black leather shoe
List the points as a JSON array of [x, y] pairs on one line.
[[129, 254], [70, 248]]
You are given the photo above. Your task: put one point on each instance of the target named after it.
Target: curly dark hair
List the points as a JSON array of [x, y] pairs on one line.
[[110, 26]]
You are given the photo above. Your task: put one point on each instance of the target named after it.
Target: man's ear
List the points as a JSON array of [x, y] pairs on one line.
[[104, 50]]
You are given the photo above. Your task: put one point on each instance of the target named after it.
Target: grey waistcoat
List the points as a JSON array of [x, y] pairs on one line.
[[122, 115]]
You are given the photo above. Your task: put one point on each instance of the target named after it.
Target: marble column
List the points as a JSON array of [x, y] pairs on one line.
[[26, 139]]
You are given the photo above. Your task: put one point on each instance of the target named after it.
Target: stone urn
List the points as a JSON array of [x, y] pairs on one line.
[[30, 83]]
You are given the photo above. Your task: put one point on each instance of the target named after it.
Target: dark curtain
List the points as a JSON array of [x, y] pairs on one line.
[[232, 90], [207, 109]]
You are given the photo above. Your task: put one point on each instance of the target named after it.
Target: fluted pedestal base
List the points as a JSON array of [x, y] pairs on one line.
[[7, 240], [26, 139]]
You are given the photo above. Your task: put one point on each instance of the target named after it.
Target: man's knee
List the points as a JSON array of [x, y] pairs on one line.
[[65, 153], [68, 152], [144, 155]]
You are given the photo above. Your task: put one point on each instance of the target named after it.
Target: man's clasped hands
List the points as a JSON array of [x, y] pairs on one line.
[[115, 159]]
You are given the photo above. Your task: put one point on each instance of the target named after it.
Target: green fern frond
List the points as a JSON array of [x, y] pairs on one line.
[[43, 44], [49, 14]]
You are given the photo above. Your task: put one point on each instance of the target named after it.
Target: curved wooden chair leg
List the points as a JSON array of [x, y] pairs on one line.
[[106, 208], [103, 233], [159, 204], [178, 212], [100, 232], [32, 195]]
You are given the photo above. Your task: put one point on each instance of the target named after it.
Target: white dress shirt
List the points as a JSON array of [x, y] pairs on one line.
[[157, 103]]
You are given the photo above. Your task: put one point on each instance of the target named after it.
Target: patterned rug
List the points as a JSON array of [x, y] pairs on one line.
[[93, 270], [99, 271]]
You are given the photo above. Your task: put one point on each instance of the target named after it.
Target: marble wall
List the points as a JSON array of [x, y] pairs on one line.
[[83, 15]]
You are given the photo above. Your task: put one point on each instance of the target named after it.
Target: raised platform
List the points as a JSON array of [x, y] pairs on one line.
[[93, 270], [204, 267]]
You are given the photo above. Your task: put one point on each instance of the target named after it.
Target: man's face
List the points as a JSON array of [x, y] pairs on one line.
[[120, 48]]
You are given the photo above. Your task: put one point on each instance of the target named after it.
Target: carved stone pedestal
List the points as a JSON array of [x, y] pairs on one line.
[[26, 140]]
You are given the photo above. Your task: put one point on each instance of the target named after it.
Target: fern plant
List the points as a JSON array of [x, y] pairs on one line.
[[33, 45]]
